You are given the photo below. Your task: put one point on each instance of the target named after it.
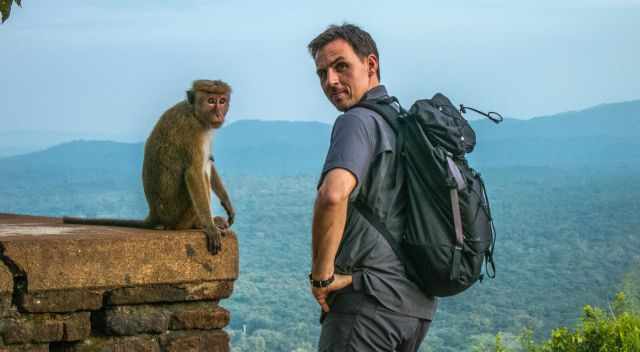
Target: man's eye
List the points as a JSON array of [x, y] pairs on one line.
[[211, 101], [341, 66]]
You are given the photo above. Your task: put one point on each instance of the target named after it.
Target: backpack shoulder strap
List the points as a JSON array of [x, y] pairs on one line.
[[384, 107], [389, 113], [375, 221]]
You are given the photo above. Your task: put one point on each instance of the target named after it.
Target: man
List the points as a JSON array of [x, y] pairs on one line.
[[368, 302]]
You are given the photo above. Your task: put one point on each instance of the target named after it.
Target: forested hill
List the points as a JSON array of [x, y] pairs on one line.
[[567, 231], [605, 134], [272, 147]]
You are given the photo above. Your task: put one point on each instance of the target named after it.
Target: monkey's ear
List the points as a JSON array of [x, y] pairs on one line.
[[190, 96]]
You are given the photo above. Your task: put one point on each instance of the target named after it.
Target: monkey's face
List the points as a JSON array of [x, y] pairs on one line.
[[212, 108]]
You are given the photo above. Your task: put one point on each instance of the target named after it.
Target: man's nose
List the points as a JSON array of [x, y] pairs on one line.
[[332, 77]]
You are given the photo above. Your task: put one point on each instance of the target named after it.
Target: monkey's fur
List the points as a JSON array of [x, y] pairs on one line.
[[178, 173]]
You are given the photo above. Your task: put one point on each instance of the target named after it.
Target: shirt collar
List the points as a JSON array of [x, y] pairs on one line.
[[376, 92]]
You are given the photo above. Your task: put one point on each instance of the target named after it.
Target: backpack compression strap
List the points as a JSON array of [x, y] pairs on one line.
[[458, 184]]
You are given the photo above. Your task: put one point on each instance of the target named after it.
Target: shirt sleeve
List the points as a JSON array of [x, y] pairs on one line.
[[351, 148]]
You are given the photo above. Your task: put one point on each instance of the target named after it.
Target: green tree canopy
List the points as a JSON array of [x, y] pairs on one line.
[[5, 8]]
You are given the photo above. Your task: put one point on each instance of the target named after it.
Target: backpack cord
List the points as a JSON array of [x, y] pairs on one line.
[[491, 115], [488, 258]]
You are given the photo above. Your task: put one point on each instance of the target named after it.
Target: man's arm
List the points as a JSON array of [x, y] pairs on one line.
[[346, 164], [329, 218]]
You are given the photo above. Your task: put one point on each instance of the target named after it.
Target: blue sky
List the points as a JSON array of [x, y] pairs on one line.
[[110, 68]]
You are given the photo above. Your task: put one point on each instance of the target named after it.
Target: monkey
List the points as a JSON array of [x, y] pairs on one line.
[[178, 172]]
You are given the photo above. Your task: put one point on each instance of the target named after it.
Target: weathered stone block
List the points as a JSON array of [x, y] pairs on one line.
[[195, 341], [6, 308], [36, 328], [77, 327], [6, 280], [55, 256], [132, 320], [161, 288], [200, 315], [31, 330], [61, 301], [26, 348], [170, 293], [6, 289], [111, 344]]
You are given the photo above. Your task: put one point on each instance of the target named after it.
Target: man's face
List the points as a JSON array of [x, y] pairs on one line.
[[344, 77]]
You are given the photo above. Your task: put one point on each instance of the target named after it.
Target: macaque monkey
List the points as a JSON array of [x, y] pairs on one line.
[[178, 172]]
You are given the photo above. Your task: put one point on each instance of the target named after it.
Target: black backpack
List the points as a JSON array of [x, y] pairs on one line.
[[449, 231]]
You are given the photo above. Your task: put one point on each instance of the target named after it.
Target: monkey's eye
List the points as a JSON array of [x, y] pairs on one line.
[[222, 101], [211, 101]]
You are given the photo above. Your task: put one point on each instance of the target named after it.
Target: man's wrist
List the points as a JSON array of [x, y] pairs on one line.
[[322, 269], [321, 283]]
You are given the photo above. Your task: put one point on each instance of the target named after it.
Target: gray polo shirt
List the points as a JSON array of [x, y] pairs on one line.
[[364, 144]]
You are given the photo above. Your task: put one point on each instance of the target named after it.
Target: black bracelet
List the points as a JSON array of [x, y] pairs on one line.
[[321, 283]]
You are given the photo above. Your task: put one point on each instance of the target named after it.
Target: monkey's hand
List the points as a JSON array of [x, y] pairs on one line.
[[231, 214], [221, 223], [213, 239]]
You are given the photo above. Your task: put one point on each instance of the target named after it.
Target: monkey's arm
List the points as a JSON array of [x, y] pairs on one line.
[[221, 193], [197, 187]]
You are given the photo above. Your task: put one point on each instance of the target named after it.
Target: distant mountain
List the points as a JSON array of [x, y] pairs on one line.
[[242, 148], [23, 142], [79, 162], [17, 142], [620, 120], [272, 147], [605, 135]]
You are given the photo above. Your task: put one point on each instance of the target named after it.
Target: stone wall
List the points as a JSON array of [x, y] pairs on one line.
[[95, 288]]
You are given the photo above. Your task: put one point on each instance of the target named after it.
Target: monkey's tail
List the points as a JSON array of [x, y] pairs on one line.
[[142, 224]]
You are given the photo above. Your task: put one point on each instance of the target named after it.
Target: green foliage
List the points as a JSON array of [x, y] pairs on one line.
[[631, 289], [5, 8], [527, 340], [500, 347], [501, 342], [566, 238], [601, 331]]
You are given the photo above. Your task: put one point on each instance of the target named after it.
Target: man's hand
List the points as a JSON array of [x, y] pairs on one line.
[[329, 218], [321, 293]]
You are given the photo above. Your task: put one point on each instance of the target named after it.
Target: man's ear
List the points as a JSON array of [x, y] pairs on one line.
[[372, 62], [190, 96]]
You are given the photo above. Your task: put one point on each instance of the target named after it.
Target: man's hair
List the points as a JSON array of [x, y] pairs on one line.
[[361, 42]]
